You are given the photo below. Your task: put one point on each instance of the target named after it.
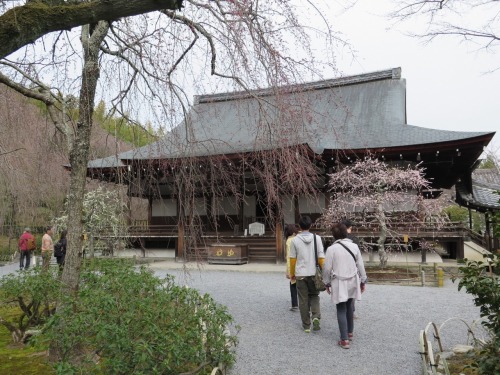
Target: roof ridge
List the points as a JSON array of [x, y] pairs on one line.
[[394, 73]]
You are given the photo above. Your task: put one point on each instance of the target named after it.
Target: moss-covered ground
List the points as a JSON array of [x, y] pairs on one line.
[[20, 359]]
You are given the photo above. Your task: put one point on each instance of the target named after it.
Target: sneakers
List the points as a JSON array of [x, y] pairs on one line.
[[294, 308], [350, 336], [307, 330], [344, 344], [316, 326]]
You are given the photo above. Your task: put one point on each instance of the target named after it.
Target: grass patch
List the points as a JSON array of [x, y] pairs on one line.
[[20, 359]]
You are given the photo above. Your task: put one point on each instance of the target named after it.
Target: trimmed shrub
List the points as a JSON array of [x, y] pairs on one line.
[[485, 287], [126, 320], [34, 292]]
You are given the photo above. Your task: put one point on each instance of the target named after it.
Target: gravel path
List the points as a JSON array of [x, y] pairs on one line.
[[271, 340]]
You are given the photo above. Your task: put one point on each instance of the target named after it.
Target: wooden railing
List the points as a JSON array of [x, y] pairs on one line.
[[141, 231], [399, 229], [477, 238]]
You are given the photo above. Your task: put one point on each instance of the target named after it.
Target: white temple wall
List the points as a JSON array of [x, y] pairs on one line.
[[164, 207]]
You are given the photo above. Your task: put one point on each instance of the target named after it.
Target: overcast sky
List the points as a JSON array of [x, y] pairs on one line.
[[448, 84]]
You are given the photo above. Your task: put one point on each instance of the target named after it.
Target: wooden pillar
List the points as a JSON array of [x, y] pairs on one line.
[[241, 207], [470, 219], [487, 232], [279, 241], [180, 230], [296, 208], [460, 249], [180, 240], [150, 210]]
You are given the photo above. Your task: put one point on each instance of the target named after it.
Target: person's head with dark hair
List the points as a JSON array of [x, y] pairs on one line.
[[305, 222], [290, 230], [339, 231], [348, 223], [48, 228], [63, 234]]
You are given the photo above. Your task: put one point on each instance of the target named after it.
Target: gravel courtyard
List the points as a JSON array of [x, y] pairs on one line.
[[271, 340]]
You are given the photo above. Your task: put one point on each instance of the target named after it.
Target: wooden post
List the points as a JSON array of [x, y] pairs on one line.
[[279, 242], [150, 210], [470, 218], [296, 208], [180, 240]]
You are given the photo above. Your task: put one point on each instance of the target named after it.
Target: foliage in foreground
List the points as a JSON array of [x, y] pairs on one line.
[[129, 321], [485, 286], [34, 293]]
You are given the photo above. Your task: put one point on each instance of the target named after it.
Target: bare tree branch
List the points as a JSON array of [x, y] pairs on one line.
[[24, 24]]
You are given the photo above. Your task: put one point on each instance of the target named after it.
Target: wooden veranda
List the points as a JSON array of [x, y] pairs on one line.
[[269, 248]]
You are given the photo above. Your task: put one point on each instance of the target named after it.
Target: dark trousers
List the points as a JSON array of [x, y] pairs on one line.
[[308, 300], [60, 261], [293, 294], [345, 318], [24, 255]]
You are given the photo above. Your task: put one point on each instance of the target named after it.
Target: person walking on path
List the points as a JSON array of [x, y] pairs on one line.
[[348, 224], [60, 249], [47, 247], [345, 277], [26, 245], [290, 231], [302, 269]]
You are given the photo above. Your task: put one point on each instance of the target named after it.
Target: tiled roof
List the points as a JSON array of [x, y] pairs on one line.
[[485, 184], [356, 112]]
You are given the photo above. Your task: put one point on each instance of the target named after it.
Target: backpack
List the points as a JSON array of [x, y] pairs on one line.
[[31, 243], [58, 249]]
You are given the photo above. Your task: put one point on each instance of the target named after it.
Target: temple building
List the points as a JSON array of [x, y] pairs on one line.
[[263, 156]]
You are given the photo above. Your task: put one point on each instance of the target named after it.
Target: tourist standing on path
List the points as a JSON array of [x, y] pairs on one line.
[[348, 224], [47, 248], [60, 249], [302, 269], [345, 277], [290, 231], [26, 245]]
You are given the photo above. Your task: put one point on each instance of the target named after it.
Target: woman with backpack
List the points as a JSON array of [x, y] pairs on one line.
[[60, 249]]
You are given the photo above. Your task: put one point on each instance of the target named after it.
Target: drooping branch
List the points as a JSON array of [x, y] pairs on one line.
[[43, 94], [23, 25]]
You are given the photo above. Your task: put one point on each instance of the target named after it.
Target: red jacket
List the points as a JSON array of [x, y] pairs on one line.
[[23, 241]]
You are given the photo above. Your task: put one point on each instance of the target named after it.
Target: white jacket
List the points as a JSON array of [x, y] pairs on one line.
[[342, 272]]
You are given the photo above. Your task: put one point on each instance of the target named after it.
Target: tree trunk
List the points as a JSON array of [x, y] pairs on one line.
[[24, 24], [79, 154], [383, 234], [91, 41]]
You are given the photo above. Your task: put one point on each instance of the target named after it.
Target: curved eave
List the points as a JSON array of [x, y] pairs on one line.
[[480, 199]]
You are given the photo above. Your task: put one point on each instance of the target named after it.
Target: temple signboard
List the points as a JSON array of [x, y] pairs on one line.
[[228, 254]]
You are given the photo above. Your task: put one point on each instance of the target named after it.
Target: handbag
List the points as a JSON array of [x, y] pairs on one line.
[[318, 275]]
